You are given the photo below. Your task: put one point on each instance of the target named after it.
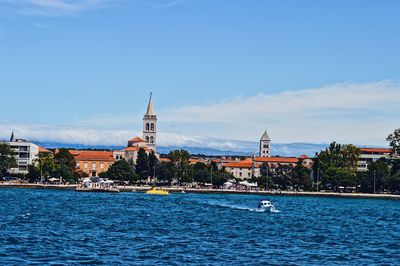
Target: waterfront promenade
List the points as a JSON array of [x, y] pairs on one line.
[[212, 191]]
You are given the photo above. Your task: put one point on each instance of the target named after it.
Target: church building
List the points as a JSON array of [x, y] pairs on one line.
[[150, 126], [148, 142]]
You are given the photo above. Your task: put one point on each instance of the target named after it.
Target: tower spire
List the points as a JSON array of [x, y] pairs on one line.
[[150, 110], [12, 138], [150, 126]]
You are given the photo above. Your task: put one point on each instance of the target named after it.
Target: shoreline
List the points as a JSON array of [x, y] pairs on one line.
[[216, 191]]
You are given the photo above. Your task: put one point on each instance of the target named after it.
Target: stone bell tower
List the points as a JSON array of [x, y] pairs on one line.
[[265, 145], [150, 126]]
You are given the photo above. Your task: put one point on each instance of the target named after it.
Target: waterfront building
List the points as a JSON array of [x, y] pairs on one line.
[[25, 154], [250, 167], [93, 162], [132, 150], [369, 155], [265, 145]]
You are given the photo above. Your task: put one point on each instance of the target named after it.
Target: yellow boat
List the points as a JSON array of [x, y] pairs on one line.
[[156, 191]]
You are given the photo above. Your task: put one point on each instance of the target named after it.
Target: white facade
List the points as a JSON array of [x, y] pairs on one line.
[[150, 126], [243, 172], [25, 154], [369, 155]]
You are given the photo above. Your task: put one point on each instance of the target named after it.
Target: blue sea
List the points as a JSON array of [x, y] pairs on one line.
[[70, 228]]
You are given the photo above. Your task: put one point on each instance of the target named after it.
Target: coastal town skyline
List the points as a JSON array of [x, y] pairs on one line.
[[199, 132], [215, 81]]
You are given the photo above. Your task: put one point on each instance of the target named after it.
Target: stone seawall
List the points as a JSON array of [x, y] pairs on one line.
[[214, 191]]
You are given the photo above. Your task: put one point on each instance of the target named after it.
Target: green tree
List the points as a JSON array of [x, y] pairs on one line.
[[7, 159], [282, 176], [181, 166], [142, 165], [221, 178], [121, 171], [33, 175], [64, 172], [265, 178], [337, 165], [378, 171], [393, 183], [394, 142], [66, 158], [153, 164], [301, 176], [201, 173], [46, 164], [166, 172]]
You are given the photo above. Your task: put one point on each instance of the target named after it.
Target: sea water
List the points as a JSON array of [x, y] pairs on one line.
[[68, 227]]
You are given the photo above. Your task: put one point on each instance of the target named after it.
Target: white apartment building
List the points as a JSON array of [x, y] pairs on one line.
[[369, 155], [25, 154]]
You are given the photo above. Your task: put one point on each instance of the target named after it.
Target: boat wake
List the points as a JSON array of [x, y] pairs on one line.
[[242, 208]]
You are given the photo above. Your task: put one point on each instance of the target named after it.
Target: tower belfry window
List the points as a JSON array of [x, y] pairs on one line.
[[147, 127], [152, 127]]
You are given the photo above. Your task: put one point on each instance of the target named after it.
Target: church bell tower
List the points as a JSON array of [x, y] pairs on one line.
[[265, 145], [150, 126]]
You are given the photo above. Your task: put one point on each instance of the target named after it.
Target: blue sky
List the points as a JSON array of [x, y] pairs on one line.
[[223, 69]]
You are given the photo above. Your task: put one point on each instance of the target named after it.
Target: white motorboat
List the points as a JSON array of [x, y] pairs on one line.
[[266, 205]]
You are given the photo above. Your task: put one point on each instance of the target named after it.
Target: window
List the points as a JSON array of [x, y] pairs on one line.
[[85, 165], [147, 126], [152, 127], [265, 146], [147, 139], [151, 139], [77, 164], [94, 166], [102, 165]]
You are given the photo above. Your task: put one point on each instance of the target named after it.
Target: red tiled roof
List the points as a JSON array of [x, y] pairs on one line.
[[376, 150], [239, 165], [136, 148], [44, 150], [195, 160], [93, 155], [277, 159], [164, 160], [136, 139], [223, 160]]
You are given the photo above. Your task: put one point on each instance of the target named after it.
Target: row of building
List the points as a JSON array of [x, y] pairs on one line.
[[95, 162], [89, 161]]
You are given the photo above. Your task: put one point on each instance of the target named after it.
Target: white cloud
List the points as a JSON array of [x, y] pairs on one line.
[[347, 112], [95, 136], [362, 114]]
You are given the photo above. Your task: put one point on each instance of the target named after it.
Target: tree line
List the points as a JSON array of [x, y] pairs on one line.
[[336, 167], [176, 170], [284, 177], [62, 166]]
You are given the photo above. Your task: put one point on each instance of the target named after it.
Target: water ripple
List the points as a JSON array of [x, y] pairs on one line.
[[68, 228]]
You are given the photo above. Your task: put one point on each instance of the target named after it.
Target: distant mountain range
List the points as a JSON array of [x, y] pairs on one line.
[[245, 148]]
